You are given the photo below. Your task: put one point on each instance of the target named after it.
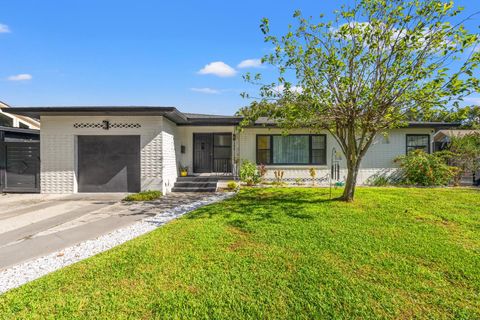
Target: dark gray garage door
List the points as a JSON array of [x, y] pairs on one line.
[[108, 163]]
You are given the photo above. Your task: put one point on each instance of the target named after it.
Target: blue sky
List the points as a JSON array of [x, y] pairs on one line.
[[105, 52]]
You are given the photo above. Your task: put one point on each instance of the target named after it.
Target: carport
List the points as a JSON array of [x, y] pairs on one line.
[[19, 160]]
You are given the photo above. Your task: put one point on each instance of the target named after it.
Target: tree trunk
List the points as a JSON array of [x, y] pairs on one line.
[[350, 184]]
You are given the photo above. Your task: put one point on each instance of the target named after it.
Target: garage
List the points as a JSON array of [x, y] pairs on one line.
[[108, 163]]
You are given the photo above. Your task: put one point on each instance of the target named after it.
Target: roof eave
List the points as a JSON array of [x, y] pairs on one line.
[[170, 113]]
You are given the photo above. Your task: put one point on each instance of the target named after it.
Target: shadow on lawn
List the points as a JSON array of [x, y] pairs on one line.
[[257, 205]]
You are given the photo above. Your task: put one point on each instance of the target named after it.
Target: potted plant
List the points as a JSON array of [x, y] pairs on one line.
[[183, 171]]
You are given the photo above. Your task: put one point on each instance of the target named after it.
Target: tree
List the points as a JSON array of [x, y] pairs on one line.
[[365, 72], [469, 116]]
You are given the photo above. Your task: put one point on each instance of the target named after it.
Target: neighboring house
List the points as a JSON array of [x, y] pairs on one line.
[[115, 149], [442, 139], [16, 121]]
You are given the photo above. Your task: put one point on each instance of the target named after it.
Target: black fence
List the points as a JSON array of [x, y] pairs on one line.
[[19, 160]]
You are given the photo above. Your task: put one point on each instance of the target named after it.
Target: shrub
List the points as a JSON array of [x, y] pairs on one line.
[[298, 181], [465, 153], [249, 173], [381, 180], [262, 171], [232, 185], [279, 176], [148, 195], [313, 174], [424, 169]]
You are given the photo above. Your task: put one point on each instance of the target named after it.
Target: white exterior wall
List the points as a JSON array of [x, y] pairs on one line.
[[185, 138], [169, 155], [379, 158], [161, 142], [58, 150]]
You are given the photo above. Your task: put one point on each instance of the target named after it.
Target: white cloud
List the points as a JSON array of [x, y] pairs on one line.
[[281, 88], [206, 90], [250, 63], [218, 68], [20, 77], [4, 28], [472, 100]]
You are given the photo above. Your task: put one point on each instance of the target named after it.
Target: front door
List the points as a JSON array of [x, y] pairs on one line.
[[202, 152]]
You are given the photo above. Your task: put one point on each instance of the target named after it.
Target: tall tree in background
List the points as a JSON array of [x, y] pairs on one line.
[[366, 71]]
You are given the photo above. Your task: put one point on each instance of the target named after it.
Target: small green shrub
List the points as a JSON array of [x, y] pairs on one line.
[[380, 180], [423, 169], [232, 185], [249, 173], [298, 181], [148, 195]]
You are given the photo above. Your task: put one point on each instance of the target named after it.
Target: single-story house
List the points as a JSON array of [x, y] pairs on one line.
[[129, 149]]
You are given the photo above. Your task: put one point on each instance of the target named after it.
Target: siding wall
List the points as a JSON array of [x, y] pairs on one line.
[[379, 159], [58, 149]]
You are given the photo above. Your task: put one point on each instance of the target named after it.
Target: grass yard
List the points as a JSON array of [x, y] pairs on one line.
[[283, 253]]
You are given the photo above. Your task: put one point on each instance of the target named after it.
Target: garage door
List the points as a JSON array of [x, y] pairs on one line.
[[108, 163]]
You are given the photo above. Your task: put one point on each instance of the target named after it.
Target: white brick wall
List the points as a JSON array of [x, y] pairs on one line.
[[169, 155], [58, 149], [57, 154]]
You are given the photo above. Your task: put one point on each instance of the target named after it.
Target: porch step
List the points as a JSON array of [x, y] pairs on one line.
[[194, 189], [195, 184], [197, 179]]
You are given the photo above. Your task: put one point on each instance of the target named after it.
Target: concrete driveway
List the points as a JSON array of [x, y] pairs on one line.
[[34, 225]]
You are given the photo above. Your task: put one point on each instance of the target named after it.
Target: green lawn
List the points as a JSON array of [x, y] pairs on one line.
[[283, 253]]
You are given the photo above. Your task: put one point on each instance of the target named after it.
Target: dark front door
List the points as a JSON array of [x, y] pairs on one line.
[[202, 152], [20, 166], [108, 163]]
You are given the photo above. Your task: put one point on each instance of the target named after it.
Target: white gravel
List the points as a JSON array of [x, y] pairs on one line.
[[22, 273]]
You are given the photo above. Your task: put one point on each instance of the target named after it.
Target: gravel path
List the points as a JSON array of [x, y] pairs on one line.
[[22, 273]]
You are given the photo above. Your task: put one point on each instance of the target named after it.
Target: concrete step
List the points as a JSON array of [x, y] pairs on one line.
[[194, 189], [197, 179], [196, 184]]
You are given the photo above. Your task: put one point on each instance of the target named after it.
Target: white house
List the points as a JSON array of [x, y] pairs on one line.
[[10, 120], [129, 149]]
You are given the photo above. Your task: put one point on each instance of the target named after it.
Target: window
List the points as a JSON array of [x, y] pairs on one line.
[[418, 141], [263, 149], [222, 152], [292, 149]]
